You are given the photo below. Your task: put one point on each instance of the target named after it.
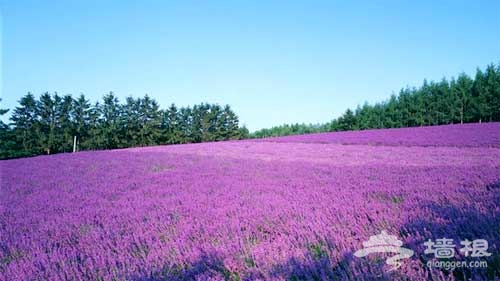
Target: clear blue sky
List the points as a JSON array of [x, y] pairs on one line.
[[274, 62]]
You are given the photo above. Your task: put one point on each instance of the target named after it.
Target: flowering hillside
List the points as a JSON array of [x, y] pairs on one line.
[[461, 135], [291, 208]]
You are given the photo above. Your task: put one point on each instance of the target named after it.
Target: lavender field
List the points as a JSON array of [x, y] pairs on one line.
[[462, 135], [291, 208]]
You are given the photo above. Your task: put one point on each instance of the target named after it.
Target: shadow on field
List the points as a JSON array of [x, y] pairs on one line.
[[348, 267], [457, 223], [314, 268], [209, 266], [447, 221]]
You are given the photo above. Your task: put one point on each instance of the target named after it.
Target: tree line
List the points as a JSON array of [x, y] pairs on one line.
[[460, 100], [49, 124]]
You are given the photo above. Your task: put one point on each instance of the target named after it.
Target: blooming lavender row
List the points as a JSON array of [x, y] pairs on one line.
[[245, 210], [461, 135]]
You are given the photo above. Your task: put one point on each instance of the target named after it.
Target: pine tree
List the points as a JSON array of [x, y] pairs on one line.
[[172, 128], [7, 141], [232, 125], [64, 124], [392, 118], [2, 112], [47, 124], [196, 129], [492, 93], [186, 124], [24, 119], [347, 122], [443, 102], [95, 139], [130, 123], [150, 121], [463, 91], [243, 132], [81, 118], [479, 100], [110, 121]]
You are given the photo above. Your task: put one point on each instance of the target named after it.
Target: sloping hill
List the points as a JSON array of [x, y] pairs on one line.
[[460, 135], [286, 208]]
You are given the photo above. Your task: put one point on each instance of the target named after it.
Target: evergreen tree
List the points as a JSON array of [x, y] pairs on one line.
[[150, 121], [231, 124], [243, 132], [109, 127], [480, 107], [443, 102], [47, 123], [347, 121], [131, 122], [216, 119], [463, 92], [392, 118], [186, 124], [172, 126], [196, 129], [492, 93], [64, 125], [81, 118], [95, 138], [2, 112], [24, 120], [7, 140]]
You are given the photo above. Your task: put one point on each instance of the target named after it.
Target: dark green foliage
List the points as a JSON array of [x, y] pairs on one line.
[[171, 126], [347, 122], [25, 121], [294, 129], [65, 128], [149, 121], [461, 100], [109, 122], [81, 116], [49, 124], [46, 128], [8, 144]]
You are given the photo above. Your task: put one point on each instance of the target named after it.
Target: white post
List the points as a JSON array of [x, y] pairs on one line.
[[74, 144]]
